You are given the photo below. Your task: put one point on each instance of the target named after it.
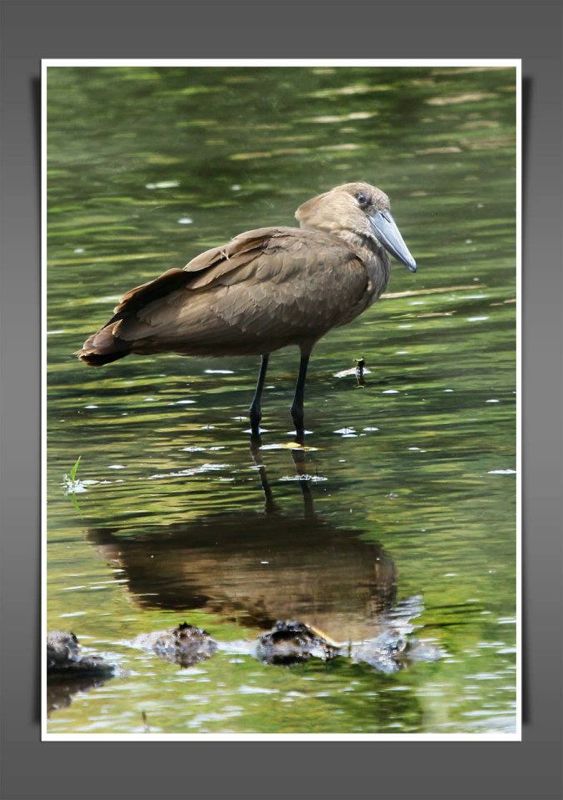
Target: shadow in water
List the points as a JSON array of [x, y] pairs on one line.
[[258, 567], [61, 691]]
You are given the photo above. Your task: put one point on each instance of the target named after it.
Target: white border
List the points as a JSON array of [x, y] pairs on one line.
[[277, 62]]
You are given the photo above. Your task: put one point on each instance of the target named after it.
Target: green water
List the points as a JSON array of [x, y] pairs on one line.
[[411, 477]]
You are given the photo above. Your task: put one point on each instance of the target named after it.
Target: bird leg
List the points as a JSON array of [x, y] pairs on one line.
[[308, 503], [270, 505], [255, 410], [297, 405]]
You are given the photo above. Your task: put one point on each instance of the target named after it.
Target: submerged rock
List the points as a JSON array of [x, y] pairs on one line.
[[291, 642], [62, 648], [184, 645], [64, 659], [294, 641]]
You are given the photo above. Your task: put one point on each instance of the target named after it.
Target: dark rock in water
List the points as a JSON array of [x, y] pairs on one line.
[[291, 642], [65, 661], [184, 645], [62, 648]]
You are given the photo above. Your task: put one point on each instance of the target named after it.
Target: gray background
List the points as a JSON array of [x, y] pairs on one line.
[[493, 29]]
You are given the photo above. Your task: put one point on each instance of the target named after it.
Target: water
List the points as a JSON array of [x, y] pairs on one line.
[[411, 488]]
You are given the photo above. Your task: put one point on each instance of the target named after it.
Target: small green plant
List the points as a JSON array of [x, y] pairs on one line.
[[72, 485], [74, 469]]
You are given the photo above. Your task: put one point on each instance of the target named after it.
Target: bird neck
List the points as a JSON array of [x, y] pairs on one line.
[[372, 255]]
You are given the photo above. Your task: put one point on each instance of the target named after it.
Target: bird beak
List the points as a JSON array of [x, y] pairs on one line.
[[390, 237]]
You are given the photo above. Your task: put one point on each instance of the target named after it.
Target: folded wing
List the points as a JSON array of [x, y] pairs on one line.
[[264, 289]]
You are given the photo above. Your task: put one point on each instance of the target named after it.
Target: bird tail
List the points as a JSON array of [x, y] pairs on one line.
[[106, 346], [102, 348]]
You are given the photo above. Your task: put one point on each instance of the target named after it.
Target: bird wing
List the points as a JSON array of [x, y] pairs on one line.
[[201, 271], [269, 281], [213, 264]]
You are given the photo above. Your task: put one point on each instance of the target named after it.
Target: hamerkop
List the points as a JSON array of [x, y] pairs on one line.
[[266, 289]]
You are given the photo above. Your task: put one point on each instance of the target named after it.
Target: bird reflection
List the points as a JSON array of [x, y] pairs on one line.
[[257, 567]]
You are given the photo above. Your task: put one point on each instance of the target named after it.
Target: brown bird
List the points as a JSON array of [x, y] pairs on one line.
[[265, 289]]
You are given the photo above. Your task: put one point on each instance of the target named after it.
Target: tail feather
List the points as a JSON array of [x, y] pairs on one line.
[[105, 346], [102, 348]]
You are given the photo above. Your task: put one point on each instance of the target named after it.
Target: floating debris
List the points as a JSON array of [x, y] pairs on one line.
[[418, 292]]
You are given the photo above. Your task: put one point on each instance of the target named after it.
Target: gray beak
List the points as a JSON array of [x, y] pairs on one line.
[[390, 237]]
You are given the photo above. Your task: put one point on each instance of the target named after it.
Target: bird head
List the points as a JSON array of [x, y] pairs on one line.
[[358, 209]]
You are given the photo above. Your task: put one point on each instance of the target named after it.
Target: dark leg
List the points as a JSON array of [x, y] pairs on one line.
[[297, 405], [256, 407], [299, 461], [270, 506]]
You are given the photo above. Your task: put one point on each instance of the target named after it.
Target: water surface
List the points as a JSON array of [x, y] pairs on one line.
[[410, 484]]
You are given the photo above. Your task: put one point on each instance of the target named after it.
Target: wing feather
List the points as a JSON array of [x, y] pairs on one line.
[[268, 284]]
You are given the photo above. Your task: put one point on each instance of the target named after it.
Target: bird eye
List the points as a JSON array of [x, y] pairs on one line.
[[362, 199]]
